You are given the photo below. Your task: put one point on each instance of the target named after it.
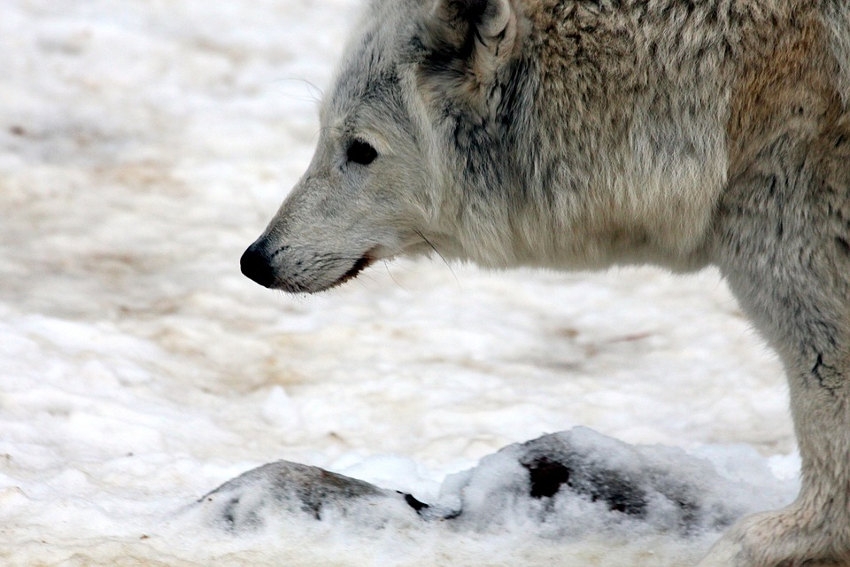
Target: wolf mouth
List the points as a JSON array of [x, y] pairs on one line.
[[361, 264]]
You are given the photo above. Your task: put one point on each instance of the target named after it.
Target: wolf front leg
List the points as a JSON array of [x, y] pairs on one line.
[[812, 531], [781, 240]]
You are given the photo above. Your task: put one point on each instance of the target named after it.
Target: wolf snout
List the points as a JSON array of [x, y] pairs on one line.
[[256, 264]]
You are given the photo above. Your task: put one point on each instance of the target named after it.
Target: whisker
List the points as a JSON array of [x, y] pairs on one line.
[[437, 252], [390, 273], [314, 92]]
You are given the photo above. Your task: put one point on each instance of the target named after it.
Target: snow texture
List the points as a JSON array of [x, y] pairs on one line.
[[143, 146]]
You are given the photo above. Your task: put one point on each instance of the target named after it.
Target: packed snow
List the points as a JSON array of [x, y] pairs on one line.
[[143, 146]]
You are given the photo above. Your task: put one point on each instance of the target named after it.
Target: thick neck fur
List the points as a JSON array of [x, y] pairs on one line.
[[608, 126]]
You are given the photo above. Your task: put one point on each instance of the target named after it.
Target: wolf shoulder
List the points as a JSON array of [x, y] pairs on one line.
[[662, 105]]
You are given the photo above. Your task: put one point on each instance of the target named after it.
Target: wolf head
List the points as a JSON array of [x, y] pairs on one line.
[[417, 77], [511, 132]]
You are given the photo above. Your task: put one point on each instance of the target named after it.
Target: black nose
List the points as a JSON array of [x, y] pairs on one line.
[[256, 265]]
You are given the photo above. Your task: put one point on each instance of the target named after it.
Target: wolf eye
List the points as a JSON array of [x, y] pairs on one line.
[[360, 152]]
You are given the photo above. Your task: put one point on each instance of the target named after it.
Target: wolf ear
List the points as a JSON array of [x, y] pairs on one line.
[[482, 33]]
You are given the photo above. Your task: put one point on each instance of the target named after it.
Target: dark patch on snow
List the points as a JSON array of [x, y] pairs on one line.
[[548, 476], [414, 503]]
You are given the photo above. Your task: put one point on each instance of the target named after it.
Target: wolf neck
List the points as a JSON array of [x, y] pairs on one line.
[[610, 138]]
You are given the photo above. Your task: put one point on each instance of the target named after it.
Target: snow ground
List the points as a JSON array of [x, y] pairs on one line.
[[143, 146]]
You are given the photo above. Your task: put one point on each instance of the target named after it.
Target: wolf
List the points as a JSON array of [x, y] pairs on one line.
[[577, 134]]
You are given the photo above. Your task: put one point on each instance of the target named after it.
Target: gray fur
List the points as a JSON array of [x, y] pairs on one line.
[[581, 134]]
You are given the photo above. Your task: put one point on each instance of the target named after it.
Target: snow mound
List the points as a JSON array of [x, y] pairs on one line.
[[245, 503], [564, 485]]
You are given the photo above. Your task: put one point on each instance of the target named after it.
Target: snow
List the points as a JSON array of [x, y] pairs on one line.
[[143, 146], [565, 487]]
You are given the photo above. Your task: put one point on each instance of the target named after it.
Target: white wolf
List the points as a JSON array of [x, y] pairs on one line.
[[583, 133]]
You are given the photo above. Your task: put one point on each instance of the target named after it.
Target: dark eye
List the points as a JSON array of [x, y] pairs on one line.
[[360, 152]]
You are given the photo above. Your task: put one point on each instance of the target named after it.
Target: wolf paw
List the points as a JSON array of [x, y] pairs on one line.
[[794, 537]]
